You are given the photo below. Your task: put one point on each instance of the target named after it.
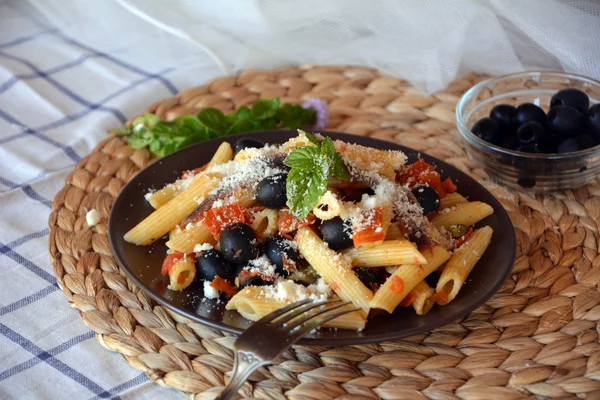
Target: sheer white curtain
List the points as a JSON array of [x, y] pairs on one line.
[[428, 42]]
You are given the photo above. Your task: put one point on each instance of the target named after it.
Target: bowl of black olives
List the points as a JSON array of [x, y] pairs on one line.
[[537, 130]]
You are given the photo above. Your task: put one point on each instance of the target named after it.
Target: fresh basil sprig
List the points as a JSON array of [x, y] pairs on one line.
[[311, 169], [164, 137]]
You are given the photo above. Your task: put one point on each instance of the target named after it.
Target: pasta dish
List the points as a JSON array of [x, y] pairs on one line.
[[261, 226]]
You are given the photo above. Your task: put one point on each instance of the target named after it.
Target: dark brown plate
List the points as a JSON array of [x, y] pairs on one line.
[[142, 264]]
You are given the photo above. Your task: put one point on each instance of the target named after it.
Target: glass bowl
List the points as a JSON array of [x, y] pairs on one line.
[[536, 172]]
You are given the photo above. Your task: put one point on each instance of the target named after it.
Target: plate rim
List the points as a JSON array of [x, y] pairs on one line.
[[328, 342]]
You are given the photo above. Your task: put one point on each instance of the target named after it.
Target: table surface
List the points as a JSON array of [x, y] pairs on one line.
[[58, 98]]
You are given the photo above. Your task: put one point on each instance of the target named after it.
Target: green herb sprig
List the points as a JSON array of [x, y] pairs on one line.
[[311, 169], [165, 137]]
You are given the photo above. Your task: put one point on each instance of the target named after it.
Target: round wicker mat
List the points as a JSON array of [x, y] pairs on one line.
[[538, 337]]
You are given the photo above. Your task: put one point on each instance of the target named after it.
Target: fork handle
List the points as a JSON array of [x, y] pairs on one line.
[[245, 364]]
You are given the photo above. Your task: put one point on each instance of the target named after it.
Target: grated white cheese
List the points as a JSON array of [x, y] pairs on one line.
[[263, 266], [92, 217], [289, 291], [209, 291], [148, 195], [202, 247]]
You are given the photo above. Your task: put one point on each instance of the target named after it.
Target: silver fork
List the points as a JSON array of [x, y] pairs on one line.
[[271, 335]]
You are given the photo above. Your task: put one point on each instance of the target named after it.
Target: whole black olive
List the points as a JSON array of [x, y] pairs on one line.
[[238, 243], [428, 198], [487, 129], [336, 233], [270, 192], [504, 115], [248, 143], [593, 119], [531, 132], [571, 97], [211, 263], [529, 112], [276, 248], [565, 121]]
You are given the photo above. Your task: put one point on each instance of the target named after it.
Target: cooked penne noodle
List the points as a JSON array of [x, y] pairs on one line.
[[189, 237], [265, 224], [451, 200], [162, 220], [461, 264], [252, 304], [223, 154], [182, 273], [406, 278], [465, 214], [328, 207], [390, 252], [422, 298], [333, 268], [162, 196], [394, 232], [166, 194]]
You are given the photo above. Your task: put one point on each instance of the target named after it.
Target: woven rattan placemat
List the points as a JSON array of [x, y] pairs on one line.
[[537, 337]]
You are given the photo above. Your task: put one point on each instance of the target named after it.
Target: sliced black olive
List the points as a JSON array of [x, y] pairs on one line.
[[248, 143], [270, 192], [336, 233], [428, 198], [368, 276], [277, 248], [211, 263], [238, 243]]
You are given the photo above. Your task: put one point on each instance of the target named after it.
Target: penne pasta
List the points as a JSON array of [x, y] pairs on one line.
[[333, 268], [406, 278], [161, 221], [465, 214], [182, 274], [166, 194], [265, 224], [390, 252], [451, 200], [253, 304], [422, 298], [394, 232], [461, 264]]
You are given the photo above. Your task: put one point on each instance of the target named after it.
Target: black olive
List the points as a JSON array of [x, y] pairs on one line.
[[238, 243], [368, 276], [428, 198], [580, 142], [586, 141], [211, 263], [254, 281], [248, 143], [529, 148], [529, 112], [565, 121], [593, 119], [270, 192], [275, 249], [487, 129], [531, 132], [336, 233], [571, 97], [504, 115]]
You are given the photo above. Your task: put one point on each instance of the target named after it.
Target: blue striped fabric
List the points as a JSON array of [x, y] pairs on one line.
[[49, 122]]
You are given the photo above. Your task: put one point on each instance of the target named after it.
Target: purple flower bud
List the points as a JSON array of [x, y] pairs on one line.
[[320, 108]]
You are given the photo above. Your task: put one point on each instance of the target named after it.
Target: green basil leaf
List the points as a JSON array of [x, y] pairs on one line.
[[264, 108], [303, 192], [240, 126], [340, 170], [148, 120], [155, 146], [243, 113], [136, 142], [302, 158], [311, 138], [190, 122], [214, 120]]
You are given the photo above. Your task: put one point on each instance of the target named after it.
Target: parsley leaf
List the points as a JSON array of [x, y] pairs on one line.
[[311, 169]]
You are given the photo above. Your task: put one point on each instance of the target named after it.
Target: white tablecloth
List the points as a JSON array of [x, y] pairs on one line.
[[58, 98]]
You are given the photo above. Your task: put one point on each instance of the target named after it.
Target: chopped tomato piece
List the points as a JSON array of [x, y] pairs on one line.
[[288, 222], [371, 230], [223, 286], [245, 275], [218, 218], [461, 240], [408, 300], [169, 261], [397, 286], [440, 297], [449, 186], [190, 172]]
